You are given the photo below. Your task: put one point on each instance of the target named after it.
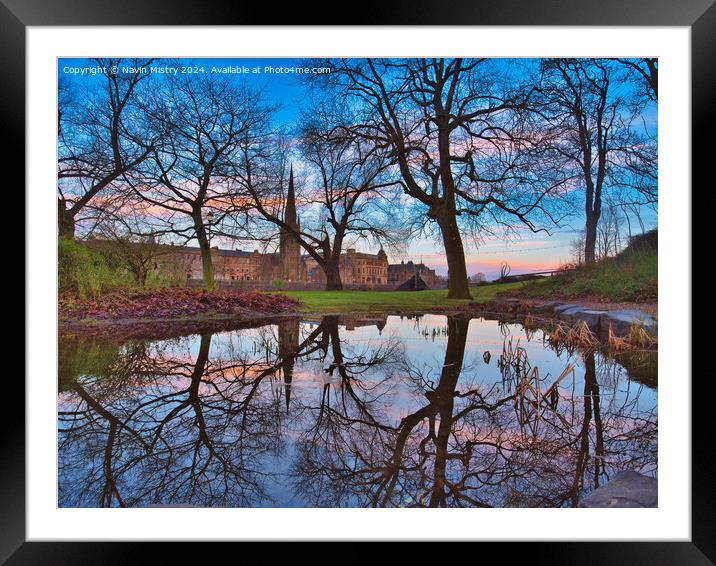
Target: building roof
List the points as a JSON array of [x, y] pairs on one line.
[[235, 253], [196, 250], [189, 249], [397, 267], [415, 283], [362, 255]]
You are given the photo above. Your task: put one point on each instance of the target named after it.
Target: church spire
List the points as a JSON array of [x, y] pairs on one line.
[[289, 247], [290, 213]]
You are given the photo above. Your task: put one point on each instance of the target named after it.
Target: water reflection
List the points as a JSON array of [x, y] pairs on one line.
[[378, 412]]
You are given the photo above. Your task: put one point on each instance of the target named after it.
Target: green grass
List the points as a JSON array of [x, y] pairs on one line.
[[372, 301], [631, 276]]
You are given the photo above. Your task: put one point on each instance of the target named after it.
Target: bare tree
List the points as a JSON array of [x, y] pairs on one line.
[[100, 139], [609, 234], [462, 146], [344, 199], [646, 72], [591, 115], [505, 271], [131, 243], [207, 119], [577, 248]]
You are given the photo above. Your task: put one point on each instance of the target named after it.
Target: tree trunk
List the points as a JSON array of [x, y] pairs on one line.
[[65, 221], [458, 287], [591, 391], [197, 374], [443, 398], [207, 268], [333, 276], [141, 275], [590, 238]]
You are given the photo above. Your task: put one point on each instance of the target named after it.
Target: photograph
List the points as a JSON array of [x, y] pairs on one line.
[[359, 282]]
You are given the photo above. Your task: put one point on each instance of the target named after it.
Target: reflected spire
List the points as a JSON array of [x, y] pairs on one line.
[[288, 333]]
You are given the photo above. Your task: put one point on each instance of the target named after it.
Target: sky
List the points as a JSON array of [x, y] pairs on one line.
[[281, 83]]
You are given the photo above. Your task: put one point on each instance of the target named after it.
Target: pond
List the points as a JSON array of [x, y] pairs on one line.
[[364, 411]]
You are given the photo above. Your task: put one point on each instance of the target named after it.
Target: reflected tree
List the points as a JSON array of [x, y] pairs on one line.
[[467, 443], [185, 428], [204, 420]]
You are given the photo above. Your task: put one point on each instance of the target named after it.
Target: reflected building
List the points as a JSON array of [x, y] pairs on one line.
[[351, 322], [289, 331]]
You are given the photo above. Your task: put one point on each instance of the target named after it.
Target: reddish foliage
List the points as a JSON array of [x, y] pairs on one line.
[[171, 303]]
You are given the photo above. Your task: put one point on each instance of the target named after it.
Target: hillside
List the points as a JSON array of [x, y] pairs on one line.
[[630, 276]]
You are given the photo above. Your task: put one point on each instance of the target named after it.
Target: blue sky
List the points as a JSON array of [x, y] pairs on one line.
[[526, 253]]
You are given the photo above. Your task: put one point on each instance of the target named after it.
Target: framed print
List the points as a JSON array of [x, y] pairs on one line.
[[421, 276]]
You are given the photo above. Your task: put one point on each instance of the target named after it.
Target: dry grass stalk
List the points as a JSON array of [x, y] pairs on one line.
[[557, 334], [578, 335], [617, 343], [530, 322], [583, 336], [549, 391], [514, 356], [638, 337]]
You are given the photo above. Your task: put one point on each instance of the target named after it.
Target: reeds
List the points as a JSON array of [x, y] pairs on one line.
[[575, 336], [617, 343], [513, 357], [638, 338], [530, 323], [531, 400], [529, 388]]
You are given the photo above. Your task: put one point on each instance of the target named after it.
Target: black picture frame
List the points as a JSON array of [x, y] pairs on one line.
[[699, 15]]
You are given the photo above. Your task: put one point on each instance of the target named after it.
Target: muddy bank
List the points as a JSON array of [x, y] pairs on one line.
[[619, 319], [162, 329], [506, 303], [600, 318]]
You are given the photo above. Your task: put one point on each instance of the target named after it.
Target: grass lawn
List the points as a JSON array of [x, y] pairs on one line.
[[371, 301]]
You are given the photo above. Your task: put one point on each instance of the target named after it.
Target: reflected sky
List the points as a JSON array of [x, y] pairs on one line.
[[352, 412]]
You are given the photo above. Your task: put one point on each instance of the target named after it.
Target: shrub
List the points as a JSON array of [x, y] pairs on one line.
[[87, 272]]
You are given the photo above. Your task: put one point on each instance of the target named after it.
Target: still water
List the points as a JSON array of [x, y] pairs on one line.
[[350, 412]]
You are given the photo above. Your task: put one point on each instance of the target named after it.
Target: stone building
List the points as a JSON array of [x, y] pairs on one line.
[[364, 269], [184, 262], [357, 269], [399, 273]]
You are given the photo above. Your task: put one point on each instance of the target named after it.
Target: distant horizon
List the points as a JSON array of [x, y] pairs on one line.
[[491, 268]]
